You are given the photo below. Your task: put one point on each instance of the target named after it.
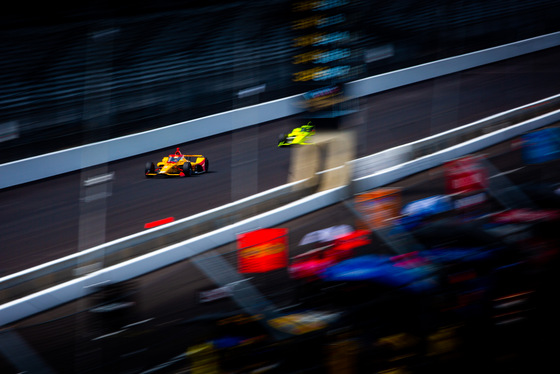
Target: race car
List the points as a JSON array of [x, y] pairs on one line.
[[309, 265], [178, 165], [299, 135]]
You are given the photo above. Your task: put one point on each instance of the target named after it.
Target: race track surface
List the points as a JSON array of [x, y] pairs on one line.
[[41, 220], [45, 220]]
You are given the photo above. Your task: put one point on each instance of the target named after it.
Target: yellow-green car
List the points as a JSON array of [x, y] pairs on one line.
[[178, 165], [299, 135]]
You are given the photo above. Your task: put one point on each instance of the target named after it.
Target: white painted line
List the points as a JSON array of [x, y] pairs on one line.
[[506, 172], [108, 335], [99, 179], [97, 284], [138, 323]]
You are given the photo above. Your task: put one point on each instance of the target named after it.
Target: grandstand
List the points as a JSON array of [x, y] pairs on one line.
[[71, 76]]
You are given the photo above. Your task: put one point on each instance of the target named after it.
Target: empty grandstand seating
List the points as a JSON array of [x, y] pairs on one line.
[[110, 76]]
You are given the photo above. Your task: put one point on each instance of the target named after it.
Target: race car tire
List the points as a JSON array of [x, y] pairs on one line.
[[281, 138], [150, 168], [206, 165], [187, 169]]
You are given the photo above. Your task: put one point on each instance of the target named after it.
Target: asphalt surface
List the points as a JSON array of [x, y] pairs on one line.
[[161, 321], [45, 220]]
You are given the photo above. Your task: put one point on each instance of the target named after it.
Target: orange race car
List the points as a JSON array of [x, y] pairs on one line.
[[178, 165]]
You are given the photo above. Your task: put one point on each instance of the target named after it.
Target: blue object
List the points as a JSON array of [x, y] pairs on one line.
[[541, 146], [380, 269], [227, 342], [414, 212], [449, 255]]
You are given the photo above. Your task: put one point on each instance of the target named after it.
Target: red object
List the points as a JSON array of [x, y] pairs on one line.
[[262, 250], [311, 264], [465, 175], [526, 215], [409, 260], [352, 240], [159, 222]]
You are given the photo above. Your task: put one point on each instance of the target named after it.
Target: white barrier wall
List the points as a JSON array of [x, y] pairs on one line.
[[98, 153], [78, 158], [80, 287], [387, 81], [396, 172]]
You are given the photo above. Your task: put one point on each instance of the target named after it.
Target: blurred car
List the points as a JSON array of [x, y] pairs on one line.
[[418, 212], [309, 265], [178, 165], [409, 274], [299, 135]]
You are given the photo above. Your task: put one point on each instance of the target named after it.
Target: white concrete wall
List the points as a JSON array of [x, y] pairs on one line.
[[98, 153]]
